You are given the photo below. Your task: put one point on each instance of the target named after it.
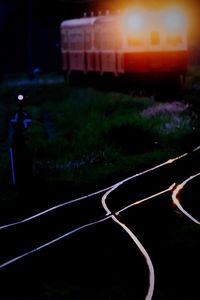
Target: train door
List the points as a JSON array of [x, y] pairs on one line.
[[135, 52], [89, 49], [76, 49], [156, 58], [97, 47], [108, 51], [119, 42]]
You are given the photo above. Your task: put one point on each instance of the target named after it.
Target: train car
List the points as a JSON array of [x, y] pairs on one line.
[[132, 43]]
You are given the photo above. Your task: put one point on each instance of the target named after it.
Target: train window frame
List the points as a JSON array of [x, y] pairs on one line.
[[108, 40], [76, 40], [135, 40], [174, 39], [155, 39]]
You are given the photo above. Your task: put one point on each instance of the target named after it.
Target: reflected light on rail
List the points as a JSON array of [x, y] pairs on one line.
[[176, 200]]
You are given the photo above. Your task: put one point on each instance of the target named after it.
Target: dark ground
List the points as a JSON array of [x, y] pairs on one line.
[[101, 262]]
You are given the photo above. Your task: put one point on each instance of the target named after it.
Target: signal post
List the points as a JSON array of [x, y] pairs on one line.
[[20, 156]]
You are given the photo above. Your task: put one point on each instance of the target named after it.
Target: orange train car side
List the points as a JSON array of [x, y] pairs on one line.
[[135, 42]]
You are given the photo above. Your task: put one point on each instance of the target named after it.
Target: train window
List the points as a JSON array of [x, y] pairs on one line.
[[108, 41], [174, 39], [76, 46], [155, 38], [135, 40], [76, 41]]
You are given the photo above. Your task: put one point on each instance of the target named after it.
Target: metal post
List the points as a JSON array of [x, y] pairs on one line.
[[29, 40], [20, 156], [12, 166]]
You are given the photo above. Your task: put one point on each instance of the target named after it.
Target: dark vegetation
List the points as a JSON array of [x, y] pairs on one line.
[[90, 138], [82, 140]]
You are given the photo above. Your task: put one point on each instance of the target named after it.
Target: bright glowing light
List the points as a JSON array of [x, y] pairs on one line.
[[133, 21], [175, 20], [177, 202], [20, 97]]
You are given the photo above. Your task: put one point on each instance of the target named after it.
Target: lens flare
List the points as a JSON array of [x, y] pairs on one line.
[[133, 21], [175, 20]]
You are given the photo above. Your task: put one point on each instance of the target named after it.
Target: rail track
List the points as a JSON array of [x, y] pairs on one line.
[[139, 204]]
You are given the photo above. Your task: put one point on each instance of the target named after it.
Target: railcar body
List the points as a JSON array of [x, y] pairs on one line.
[[136, 42]]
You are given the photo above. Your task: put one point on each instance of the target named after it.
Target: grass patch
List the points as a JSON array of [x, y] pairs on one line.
[[84, 135]]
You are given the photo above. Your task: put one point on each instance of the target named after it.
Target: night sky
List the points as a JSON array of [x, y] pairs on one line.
[[30, 29]]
